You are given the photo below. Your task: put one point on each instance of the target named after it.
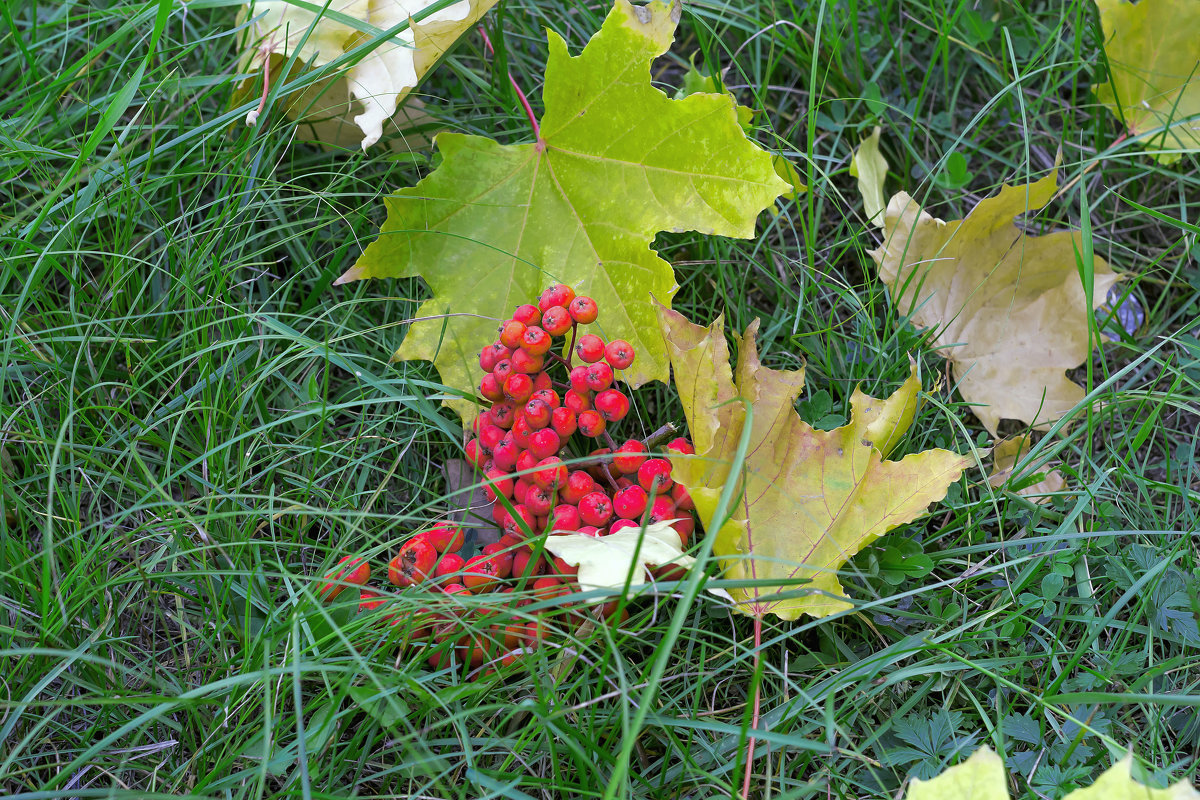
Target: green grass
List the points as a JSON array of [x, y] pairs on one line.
[[194, 426]]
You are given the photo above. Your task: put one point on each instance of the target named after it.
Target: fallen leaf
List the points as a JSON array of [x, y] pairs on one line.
[[1154, 70], [807, 499], [1005, 456], [317, 35], [605, 562], [870, 167], [982, 777], [1009, 309], [616, 162]]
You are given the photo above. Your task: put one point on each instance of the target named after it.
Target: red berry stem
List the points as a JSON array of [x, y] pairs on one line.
[[571, 347], [608, 440], [661, 435]]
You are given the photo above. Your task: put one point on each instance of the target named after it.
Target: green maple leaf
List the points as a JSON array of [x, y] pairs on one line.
[[616, 162], [1155, 70]]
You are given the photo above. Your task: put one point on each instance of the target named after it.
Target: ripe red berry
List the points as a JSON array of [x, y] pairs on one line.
[[612, 404], [527, 314], [504, 455], [619, 353], [449, 564], [599, 377], [503, 369], [520, 489], [369, 600], [526, 461], [490, 388], [520, 522], [480, 573], [351, 569], [583, 310], [557, 321], [579, 484], [537, 413], [565, 517], [684, 528], [490, 436], [518, 387], [683, 500], [551, 473], [682, 446], [557, 295], [590, 530], [547, 396], [526, 566], [521, 431], [525, 362], [499, 483], [630, 456], [630, 503], [596, 509], [564, 421], [541, 381], [487, 358], [656, 469], [511, 332], [662, 509], [621, 524], [577, 401], [578, 379], [504, 414], [475, 454], [590, 348], [591, 424], [445, 537], [414, 563], [539, 501], [544, 443], [536, 341]]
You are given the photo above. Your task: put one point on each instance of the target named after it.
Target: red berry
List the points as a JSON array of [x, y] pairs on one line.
[[504, 455], [557, 321], [450, 564], [490, 436], [591, 423], [511, 332], [541, 381], [564, 422], [630, 503], [547, 396], [576, 401], [504, 414], [619, 353], [590, 348], [526, 461], [536, 341], [527, 314], [662, 509], [503, 369], [599, 377], [656, 469], [544, 443], [681, 497], [518, 387], [621, 524], [684, 528], [566, 517], [481, 573], [499, 483], [551, 473], [590, 530], [414, 562], [487, 358], [583, 310], [682, 446], [630, 456], [557, 295], [596, 509], [526, 566], [520, 489], [537, 413], [539, 501], [491, 388], [521, 431], [369, 600], [526, 362], [475, 454], [351, 569], [612, 404], [519, 523], [579, 484], [445, 537], [578, 379]]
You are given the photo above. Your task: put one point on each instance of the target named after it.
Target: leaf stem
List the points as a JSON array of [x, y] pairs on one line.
[[537, 129], [757, 702]]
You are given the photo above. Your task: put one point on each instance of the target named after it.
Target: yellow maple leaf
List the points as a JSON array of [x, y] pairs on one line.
[[982, 777], [318, 34], [1005, 456], [1154, 67], [1009, 310], [870, 168], [808, 499]]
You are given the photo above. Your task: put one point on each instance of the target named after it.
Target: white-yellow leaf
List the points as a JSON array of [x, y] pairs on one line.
[[605, 562]]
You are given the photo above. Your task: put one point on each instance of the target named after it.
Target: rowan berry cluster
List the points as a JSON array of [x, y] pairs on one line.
[[543, 476], [524, 442]]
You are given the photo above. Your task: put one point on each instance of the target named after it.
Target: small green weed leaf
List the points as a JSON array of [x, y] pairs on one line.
[[1154, 70], [954, 173], [616, 162], [873, 97], [387, 709]]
